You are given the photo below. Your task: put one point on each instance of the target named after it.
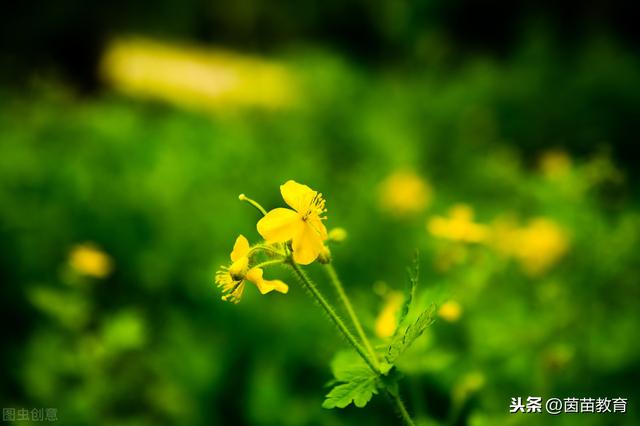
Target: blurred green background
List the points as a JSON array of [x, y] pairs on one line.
[[498, 138]]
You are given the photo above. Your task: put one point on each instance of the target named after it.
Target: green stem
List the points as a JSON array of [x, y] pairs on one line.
[[264, 247], [269, 262], [400, 408], [254, 203], [352, 314], [306, 281], [371, 361]]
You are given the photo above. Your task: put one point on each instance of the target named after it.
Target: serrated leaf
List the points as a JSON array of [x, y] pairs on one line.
[[401, 343], [356, 382], [359, 390], [410, 289]]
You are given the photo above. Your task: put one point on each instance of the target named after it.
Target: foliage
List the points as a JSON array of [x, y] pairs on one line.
[[522, 143], [410, 291], [357, 382], [402, 342]]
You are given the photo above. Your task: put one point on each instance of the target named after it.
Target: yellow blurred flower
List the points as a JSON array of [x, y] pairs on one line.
[[195, 77], [542, 243], [232, 279], [88, 259], [302, 225], [387, 321], [555, 164], [450, 311], [536, 246], [405, 193], [468, 385], [459, 226], [337, 234]]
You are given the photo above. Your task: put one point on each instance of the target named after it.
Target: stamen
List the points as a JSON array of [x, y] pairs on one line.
[[235, 295], [316, 206], [231, 288]]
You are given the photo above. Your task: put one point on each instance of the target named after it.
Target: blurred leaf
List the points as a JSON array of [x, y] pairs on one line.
[[71, 309], [124, 331]]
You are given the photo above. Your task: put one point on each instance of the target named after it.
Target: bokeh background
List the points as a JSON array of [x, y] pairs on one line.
[[497, 137]]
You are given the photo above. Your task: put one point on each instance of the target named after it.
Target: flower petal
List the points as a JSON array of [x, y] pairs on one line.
[[306, 245], [238, 268], [265, 286], [316, 223], [276, 285], [240, 248], [297, 196], [279, 225]]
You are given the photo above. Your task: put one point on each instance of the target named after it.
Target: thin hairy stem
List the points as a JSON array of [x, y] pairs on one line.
[[265, 247], [309, 285], [352, 314], [400, 408], [371, 361], [269, 262], [254, 203]]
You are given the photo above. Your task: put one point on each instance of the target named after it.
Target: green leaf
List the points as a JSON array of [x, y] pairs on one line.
[[401, 343], [344, 363], [357, 383], [413, 272], [359, 390]]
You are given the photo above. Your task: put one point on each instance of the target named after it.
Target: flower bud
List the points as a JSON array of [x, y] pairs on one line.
[[337, 234], [325, 255]]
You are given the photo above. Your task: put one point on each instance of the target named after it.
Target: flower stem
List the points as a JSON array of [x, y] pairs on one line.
[[371, 361], [306, 281], [254, 203], [400, 408], [269, 262], [352, 314], [267, 248]]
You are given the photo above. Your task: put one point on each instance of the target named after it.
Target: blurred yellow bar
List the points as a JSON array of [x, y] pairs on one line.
[[195, 77]]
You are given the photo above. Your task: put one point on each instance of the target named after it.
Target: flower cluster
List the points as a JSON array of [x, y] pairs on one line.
[[295, 235], [536, 246]]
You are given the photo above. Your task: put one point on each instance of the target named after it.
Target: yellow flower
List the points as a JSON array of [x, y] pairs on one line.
[[338, 235], [468, 385], [450, 311], [89, 260], [232, 279], [555, 164], [302, 225], [459, 226], [404, 193], [387, 320], [537, 246], [541, 244], [192, 77]]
